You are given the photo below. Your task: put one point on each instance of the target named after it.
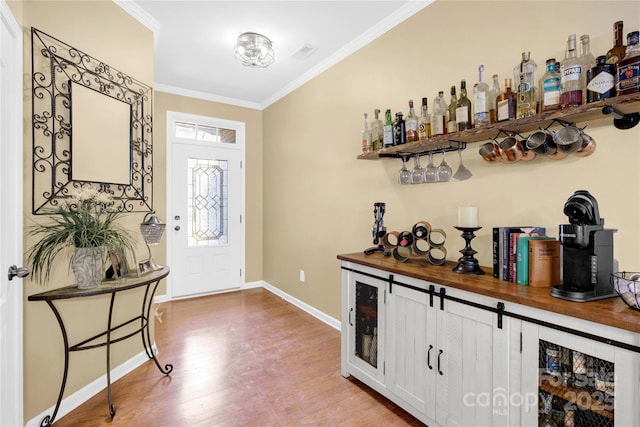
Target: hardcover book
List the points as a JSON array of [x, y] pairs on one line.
[[544, 263], [506, 249], [522, 257]]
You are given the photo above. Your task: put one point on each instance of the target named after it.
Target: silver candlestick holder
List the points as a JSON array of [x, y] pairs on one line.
[[467, 263]]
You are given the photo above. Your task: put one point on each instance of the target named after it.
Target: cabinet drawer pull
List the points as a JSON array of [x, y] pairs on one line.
[[429, 356], [439, 354], [350, 311]]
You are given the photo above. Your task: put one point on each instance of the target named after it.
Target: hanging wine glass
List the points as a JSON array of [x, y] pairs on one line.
[[462, 173], [404, 174], [444, 171], [417, 174], [431, 171]]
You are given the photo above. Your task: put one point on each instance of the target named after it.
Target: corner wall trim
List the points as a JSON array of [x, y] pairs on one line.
[[334, 323], [76, 399]]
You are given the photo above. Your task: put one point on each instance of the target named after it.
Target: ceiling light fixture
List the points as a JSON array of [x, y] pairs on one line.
[[254, 50]]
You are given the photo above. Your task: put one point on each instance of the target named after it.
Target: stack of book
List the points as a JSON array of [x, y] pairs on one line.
[[525, 255]]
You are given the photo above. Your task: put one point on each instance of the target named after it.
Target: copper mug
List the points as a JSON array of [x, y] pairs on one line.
[[541, 142], [568, 139], [588, 146], [490, 152], [511, 150]]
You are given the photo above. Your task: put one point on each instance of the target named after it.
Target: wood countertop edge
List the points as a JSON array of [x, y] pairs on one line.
[[610, 312]]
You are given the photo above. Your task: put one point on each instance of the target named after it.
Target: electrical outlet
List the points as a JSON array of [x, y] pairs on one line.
[[302, 276]]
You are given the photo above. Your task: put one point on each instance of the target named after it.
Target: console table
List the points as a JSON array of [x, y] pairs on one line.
[[105, 339]]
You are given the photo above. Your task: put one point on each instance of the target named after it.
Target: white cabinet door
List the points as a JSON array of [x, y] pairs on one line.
[[407, 349], [472, 367], [364, 331]]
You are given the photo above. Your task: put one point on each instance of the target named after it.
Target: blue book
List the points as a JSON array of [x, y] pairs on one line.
[[508, 248]]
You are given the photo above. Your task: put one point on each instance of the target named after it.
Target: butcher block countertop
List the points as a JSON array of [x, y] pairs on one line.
[[611, 311]]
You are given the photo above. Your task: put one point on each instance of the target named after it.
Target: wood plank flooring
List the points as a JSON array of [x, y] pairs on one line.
[[245, 358]]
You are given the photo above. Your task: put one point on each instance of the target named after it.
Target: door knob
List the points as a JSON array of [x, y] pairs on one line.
[[177, 228], [15, 271]]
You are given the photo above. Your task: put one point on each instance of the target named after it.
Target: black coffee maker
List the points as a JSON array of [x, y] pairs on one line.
[[587, 252]]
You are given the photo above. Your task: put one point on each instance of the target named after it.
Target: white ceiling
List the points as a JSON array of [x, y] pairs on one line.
[[194, 40]]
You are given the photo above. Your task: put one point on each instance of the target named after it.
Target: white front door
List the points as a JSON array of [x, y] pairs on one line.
[[206, 205], [11, 162]]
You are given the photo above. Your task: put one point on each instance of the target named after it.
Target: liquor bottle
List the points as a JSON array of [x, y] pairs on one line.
[[399, 130], [452, 126], [629, 67], [481, 101], [550, 87], [494, 93], [411, 124], [588, 61], [506, 103], [572, 76], [376, 131], [366, 136], [524, 75], [439, 116], [463, 108], [387, 139], [601, 80], [424, 124], [618, 51]]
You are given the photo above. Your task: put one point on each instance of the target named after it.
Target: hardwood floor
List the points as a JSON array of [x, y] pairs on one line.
[[244, 358]]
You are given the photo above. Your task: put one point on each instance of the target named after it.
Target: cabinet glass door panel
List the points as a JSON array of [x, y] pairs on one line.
[[366, 325]]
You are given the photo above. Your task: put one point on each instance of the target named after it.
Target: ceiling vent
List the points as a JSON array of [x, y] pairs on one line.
[[304, 52]]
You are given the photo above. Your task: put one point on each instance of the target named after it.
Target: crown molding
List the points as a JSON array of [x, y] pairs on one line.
[[141, 16], [206, 96]]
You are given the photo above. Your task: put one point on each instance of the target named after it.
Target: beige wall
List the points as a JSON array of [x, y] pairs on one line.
[[105, 31], [319, 198], [253, 169]]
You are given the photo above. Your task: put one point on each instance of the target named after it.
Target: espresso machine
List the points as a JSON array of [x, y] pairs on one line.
[[587, 252]]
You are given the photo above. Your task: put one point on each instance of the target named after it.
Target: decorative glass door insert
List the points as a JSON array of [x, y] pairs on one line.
[[207, 202]]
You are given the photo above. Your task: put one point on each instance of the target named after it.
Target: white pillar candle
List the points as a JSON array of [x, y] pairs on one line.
[[468, 216]]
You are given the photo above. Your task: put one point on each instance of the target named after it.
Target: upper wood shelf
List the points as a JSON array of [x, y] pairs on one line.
[[625, 104]]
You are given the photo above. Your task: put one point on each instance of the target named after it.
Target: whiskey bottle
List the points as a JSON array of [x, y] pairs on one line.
[[439, 116], [452, 126], [588, 61], [399, 130], [493, 96], [618, 51], [601, 80], [366, 136], [411, 123], [506, 103], [524, 75], [376, 131], [550, 87], [463, 109], [387, 138], [424, 124], [629, 67], [572, 76], [481, 101]]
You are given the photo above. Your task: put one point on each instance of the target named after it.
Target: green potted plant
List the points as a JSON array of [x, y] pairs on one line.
[[86, 222]]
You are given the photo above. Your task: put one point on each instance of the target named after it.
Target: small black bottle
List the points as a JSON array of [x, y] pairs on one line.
[[601, 80], [399, 130]]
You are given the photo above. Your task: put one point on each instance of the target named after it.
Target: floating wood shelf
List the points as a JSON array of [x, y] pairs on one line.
[[625, 104]]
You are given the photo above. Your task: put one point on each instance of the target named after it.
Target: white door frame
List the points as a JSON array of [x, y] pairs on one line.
[[172, 117], [11, 138]]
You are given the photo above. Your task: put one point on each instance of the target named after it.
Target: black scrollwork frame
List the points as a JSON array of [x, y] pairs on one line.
[[54, 66]]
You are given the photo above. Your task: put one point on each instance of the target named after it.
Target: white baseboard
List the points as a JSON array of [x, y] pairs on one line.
[[76, 399], [334, 323]]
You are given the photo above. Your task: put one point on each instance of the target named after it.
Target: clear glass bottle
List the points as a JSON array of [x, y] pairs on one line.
[[452, 126], [439, 116], [376, 131], [424, 124], [588, 61], [506, 103], [618, 51], [524, 75], [549, 87], [481, 101], [601, 80], [572, 76], [494, 93], [463, 109], [366, 136], [387, 139], [411, 123], [629, 67], [399, 130]]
